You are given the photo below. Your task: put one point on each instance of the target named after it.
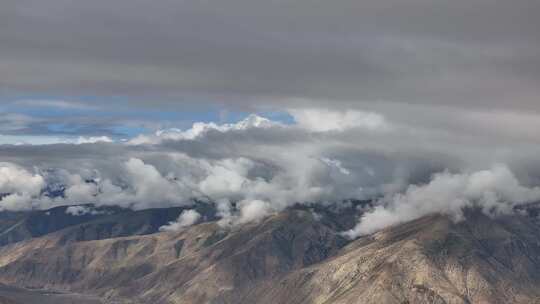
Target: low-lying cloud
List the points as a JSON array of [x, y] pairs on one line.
[[83, 210], [495, 191], [185, 219], [257, 167], [18, 187]]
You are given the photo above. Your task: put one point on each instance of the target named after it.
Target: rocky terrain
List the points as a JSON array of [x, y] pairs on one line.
[[294, 257], [13, 295]]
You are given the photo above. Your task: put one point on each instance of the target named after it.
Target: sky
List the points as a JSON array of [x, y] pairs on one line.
[[424, 105]]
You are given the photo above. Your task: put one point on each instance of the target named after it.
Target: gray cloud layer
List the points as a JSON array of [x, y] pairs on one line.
[[469, 53]]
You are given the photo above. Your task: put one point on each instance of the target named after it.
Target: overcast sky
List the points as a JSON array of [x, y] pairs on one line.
[[374, 95]]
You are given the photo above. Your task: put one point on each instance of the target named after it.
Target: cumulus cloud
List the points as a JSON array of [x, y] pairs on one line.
[[78, 190], [140, 186], [18, 187], [185, 219], [496, 191]]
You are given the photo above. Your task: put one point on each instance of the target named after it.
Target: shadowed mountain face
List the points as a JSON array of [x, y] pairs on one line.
[[291, 257], [94, 224], [12, 295]]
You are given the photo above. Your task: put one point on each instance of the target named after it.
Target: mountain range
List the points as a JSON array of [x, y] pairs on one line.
[[298, 256]]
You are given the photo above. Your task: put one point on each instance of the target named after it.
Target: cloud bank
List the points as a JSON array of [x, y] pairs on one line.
[[256, 167], [496, 191]]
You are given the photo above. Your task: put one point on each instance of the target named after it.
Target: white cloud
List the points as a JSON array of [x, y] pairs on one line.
[[253, 211], [82, 210], [226, 178], [138, 185], [19, 186], [200, 128], [16, 202], [93, 140], [144, 187], [319, 120], [185, 219], [80, 191], [495, 191]]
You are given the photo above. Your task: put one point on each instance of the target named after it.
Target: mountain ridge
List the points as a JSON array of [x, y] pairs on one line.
[[294, 257]]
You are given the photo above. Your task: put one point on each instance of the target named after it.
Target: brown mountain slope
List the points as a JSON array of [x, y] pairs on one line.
[[103, 222], [12, 295], [293, 258], [430, 260], [161, 267]]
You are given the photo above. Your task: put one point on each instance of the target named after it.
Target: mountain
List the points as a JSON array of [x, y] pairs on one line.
[[13, 295], [294, 257], [18, 226], [430, 260], [87, 223]]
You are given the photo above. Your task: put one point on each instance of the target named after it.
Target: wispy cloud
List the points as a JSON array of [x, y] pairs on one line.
[[60, 104]]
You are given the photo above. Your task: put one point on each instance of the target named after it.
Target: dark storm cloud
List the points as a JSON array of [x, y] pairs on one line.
[[474, 53]]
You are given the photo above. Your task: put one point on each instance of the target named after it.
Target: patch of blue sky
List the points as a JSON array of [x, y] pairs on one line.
[[34, 139], [282, 117], [120, 119], [126, 132]]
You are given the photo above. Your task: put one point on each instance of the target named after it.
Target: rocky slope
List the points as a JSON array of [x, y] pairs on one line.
[[95, 223], [291, 257], [12, 295], [430, 260]]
